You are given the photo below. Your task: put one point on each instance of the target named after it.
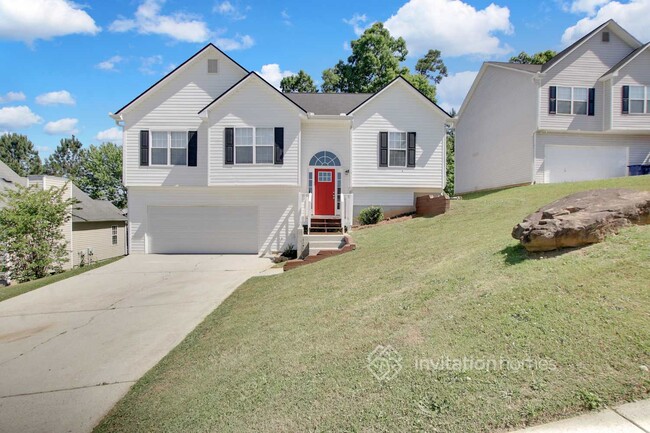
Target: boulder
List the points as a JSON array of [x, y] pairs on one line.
[[583, 218]]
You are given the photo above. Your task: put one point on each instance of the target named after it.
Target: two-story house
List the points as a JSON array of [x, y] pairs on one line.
[[217, 160], [583, 115]]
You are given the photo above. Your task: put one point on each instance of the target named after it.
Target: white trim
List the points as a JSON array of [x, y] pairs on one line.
[[254, 145], [169, 148], [405, 149]]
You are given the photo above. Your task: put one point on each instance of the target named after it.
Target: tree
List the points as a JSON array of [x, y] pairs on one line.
[[451, 160], [30, 231], [66, 159], [302, 82], [100, 173], [536, 59], [432, 66], [19, 154], [423, 84]]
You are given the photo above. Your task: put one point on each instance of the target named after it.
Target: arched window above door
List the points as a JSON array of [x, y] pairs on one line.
[[325, 159]]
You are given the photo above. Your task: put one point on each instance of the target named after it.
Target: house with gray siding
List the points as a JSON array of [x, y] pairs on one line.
[[217, 160], [583, 115]]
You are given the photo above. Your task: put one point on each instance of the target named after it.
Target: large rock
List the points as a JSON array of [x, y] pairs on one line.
[[583, 218]]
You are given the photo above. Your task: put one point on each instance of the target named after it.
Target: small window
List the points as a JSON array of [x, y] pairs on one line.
[[169, 148], [324, 176], [114, 235], [638, 104], [397, 149], [605, 36], [310, 182], [338, 190], [158, 148], [572, 100], [213, 66]]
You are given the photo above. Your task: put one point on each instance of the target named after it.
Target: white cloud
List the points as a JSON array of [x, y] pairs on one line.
[[18, 117], [29, 20], [633, 16], [109, 64], [230, 10], [452, 90], [113, 134], [286, 18], [62, 126], [148, 20], [358, 23], [452, 26], [12, 97], [148, 65], [62, 97], [273, 74], [584, 6], [239, 42]]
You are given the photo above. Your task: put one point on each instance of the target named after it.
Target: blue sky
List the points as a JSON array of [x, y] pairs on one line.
[[67, 65]]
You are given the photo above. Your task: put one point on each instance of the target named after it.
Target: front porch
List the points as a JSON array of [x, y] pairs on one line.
[[338, 223]]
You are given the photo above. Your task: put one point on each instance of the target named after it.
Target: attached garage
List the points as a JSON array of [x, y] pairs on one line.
[[566, 163], [202, 229]]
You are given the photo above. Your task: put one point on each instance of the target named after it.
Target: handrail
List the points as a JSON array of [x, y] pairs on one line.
[[347, 211], [304, 207]]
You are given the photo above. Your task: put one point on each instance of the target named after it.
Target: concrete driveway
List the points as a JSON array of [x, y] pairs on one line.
[[69, 351]]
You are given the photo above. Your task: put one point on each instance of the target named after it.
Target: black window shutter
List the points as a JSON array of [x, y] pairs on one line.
[[552, 100], [144, 148], [230, 146], [410, 160], [191, 148], [626, 99], [278, 150], [383, 149], [592, 102]]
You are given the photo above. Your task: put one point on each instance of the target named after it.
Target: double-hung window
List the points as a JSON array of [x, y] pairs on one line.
[[397, 149], [168, 148], [639, 99], [114, 235], [254, 145], [572, 100]]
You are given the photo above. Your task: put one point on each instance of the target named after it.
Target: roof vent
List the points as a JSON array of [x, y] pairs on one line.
[[605, 36], [213, 66]]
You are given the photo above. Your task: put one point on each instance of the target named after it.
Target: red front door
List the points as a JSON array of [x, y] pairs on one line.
[[324, 187]]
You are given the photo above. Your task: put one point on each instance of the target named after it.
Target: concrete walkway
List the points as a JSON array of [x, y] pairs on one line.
[[627, 418], [69, 351]]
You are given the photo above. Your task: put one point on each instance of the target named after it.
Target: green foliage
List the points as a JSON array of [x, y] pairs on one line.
[[19, 154], [432, 66], [536, 59], [300, 83], [100, 174], [590, 400], [451, 144], [371, 215], [30, 231], [376, 61], [65, 160]]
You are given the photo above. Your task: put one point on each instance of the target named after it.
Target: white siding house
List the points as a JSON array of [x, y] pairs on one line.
[[570, 119], [217, 160]]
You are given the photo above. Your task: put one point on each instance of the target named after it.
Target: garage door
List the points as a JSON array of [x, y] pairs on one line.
[[202, 230], [576, 163]]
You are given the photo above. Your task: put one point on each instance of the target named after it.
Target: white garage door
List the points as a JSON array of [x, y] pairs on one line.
[[202, 229], [576, 163]]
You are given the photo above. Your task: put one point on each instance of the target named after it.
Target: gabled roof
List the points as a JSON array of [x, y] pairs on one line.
[[240, 83], [198, 53], [402, 80], [620, 65], [518, 66], [620, 31], [90, 210], [328, 103]]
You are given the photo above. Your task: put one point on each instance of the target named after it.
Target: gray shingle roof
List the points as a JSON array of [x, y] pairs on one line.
[[89, 210], [518, 66], [9, 178], [328, 103]]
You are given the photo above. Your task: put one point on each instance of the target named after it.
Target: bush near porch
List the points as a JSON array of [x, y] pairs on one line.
[[290, 352]]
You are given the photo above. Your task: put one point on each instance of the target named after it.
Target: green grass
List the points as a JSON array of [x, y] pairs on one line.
[[288, 353], [19, 289]]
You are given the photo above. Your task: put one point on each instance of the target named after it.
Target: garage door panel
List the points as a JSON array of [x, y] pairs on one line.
[[578, 163], [203, 229]]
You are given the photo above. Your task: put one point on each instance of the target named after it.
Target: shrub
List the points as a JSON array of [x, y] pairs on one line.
[[371, 215]]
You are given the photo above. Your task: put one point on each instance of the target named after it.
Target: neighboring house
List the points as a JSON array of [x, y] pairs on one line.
[[217, 160], [583, 115], [97, 229]]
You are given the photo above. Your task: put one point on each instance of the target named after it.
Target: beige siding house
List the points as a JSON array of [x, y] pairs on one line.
[[583, 115], [217, 160]]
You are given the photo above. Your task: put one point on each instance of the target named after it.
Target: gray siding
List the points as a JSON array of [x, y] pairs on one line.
[[98, 237], [636, 73]]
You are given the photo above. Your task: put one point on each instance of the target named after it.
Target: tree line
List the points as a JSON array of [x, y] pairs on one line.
[[96, 170]]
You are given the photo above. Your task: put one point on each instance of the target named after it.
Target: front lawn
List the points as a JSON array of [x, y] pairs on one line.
[[556, 334], [19, 289]]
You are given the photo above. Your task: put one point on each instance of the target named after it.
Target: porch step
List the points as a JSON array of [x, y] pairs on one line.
[[325, 242], [325, 225]]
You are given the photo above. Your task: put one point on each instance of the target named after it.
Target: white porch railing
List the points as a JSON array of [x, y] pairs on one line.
[[305, 207], [347, 212]]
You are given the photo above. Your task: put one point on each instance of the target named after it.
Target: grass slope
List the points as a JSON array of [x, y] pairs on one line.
[[289, 353], [19, 289]]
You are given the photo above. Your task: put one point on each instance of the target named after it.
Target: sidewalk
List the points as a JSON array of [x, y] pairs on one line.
[[627, 418]]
